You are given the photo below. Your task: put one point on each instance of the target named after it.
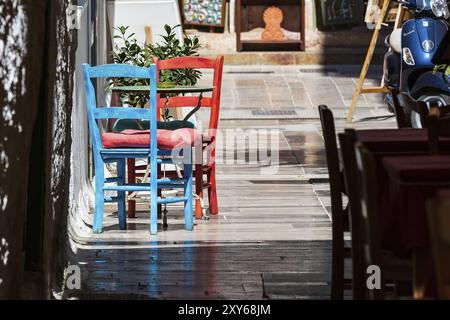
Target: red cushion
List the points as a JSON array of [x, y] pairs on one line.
[[167, 139], [417, 169]]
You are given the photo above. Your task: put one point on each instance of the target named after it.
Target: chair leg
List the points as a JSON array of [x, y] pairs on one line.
[[337, 272], [198, 190], [154, 212], [358, 260], [420, 258], [160, 175], [99, 195], [154, 201], [121, 195], [131, 163], [188, 211], [212, 191]]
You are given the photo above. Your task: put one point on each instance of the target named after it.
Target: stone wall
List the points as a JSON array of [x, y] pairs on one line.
[[36, 74]]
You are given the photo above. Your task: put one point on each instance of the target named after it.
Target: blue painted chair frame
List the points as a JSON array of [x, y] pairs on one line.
[[119, 156]]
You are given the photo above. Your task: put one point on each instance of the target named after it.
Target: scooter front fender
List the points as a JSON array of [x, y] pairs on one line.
[[417, 32], [429, 80], [414, 34]]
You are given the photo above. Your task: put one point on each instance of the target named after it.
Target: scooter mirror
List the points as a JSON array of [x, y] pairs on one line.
[[386, 41], [447, 13]]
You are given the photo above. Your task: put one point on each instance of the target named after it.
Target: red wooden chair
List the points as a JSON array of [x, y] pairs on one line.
[[212, 102]]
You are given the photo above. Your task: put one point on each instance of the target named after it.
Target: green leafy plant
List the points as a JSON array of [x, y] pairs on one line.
[[170, 47], [131, 52]]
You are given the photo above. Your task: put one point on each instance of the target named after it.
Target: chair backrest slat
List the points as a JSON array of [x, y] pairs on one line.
[[370, 210], [179, 102], [352, 182], [187, 63], [332, 155], [419, 107], [122, 113], [370, 203], [438, 125], [119, 71]]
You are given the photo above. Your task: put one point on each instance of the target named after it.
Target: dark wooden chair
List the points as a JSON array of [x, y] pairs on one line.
[[439, 226], [438, 124], [339, 214], [407, 102], [347, 142], [392, 268], [403, 101]]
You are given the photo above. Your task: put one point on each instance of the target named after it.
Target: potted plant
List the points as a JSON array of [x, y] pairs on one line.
[[142, 55]]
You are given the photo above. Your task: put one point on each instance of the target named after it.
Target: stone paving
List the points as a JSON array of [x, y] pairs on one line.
[[296, 87], [300, 89], [272, 238]]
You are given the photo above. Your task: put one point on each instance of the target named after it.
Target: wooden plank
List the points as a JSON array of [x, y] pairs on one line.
[[375, 90]]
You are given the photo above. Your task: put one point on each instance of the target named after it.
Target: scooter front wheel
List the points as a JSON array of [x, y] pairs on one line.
[[430, 98]]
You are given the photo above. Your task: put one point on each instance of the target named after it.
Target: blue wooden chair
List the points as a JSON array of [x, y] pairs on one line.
[[119, 155]]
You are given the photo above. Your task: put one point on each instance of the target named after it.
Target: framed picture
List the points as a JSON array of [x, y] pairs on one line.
[[210, 13]]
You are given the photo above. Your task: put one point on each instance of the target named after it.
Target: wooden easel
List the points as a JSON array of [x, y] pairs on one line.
[[360, 89]]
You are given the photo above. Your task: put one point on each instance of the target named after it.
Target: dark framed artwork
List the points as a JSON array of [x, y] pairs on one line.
[[210, 13], [332, 13]]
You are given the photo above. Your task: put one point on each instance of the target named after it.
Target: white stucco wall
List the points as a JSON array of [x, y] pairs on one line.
[[80, 186], [137, 14]]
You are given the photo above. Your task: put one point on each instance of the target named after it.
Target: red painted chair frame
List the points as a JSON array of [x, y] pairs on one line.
[[213, 103]]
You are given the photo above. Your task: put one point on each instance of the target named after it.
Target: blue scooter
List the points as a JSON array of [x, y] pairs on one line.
[[409, 65]]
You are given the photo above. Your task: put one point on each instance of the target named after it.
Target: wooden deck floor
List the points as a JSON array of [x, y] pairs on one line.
[[272, 238]]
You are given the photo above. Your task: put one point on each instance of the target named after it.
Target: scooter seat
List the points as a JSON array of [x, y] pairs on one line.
[[395, 40]]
